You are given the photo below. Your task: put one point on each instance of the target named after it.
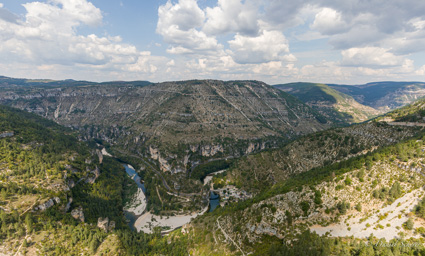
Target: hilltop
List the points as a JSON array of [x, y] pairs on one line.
[[335, 105], [384, 96], [169, 128]]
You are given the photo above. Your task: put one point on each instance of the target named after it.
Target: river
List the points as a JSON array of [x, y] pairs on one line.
[[145, 221], [135, 209], [214, 201]]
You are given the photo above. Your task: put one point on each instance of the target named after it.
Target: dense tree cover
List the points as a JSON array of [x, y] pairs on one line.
[[200, 171], [410, 113], [420, 209], [39, 154], [104, 197], [153, 244]]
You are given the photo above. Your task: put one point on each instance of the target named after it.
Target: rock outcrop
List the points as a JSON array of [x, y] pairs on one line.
[[68, 205], [105, 224], [211, 150], [46, 205], [78, 213], [49, 203], [94, 174]]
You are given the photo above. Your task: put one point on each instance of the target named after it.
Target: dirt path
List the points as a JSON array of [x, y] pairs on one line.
[[159, 196], [26, 236], [228, 237], [29, 208]]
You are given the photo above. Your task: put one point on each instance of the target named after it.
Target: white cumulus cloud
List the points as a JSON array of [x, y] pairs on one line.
[[47, 37], [178, 24], [370, 57], [268, 46], [232, 16], [328, 21]]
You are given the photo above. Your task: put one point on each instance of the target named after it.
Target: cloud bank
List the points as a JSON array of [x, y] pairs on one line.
[[272, 40]]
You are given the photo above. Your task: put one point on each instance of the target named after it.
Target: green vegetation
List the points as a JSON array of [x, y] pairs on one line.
[[420, 209], [35, 163], [339, 107], [312, 244], [200, 171], [410, 113], [408, 224], [343, 207], [277, 165]]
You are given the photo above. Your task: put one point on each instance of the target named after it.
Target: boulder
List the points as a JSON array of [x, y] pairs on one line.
[[49, 203], [68, 205], [105, 224], [78, 213]]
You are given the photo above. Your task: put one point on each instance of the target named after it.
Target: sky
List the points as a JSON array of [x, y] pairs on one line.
[[275, 41]]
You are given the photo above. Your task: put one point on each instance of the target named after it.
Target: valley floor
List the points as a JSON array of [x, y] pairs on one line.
[[138, 204], [147, 221]]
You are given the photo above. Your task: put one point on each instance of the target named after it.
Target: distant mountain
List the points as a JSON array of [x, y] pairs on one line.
[[384, 96], [335, 105], [209, 117], [8, 82], [174, 126]]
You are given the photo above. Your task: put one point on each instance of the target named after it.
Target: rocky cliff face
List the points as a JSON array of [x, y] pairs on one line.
[[259, 171], [218, 118]]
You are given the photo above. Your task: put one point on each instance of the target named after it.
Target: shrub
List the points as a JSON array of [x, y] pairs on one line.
[[409, 224], [343, 207], [358, 207]]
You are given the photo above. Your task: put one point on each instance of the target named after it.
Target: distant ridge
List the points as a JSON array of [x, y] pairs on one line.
[[335, 105], [384, 96]]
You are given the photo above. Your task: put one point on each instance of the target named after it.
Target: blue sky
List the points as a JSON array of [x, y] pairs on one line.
[[276, 41]]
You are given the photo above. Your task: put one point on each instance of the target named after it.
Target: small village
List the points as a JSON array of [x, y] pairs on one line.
[[230, 193]]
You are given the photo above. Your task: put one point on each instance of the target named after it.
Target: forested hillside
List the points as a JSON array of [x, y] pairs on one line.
[[51, 196], [360, 206], [410, 113], [257, 172]]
